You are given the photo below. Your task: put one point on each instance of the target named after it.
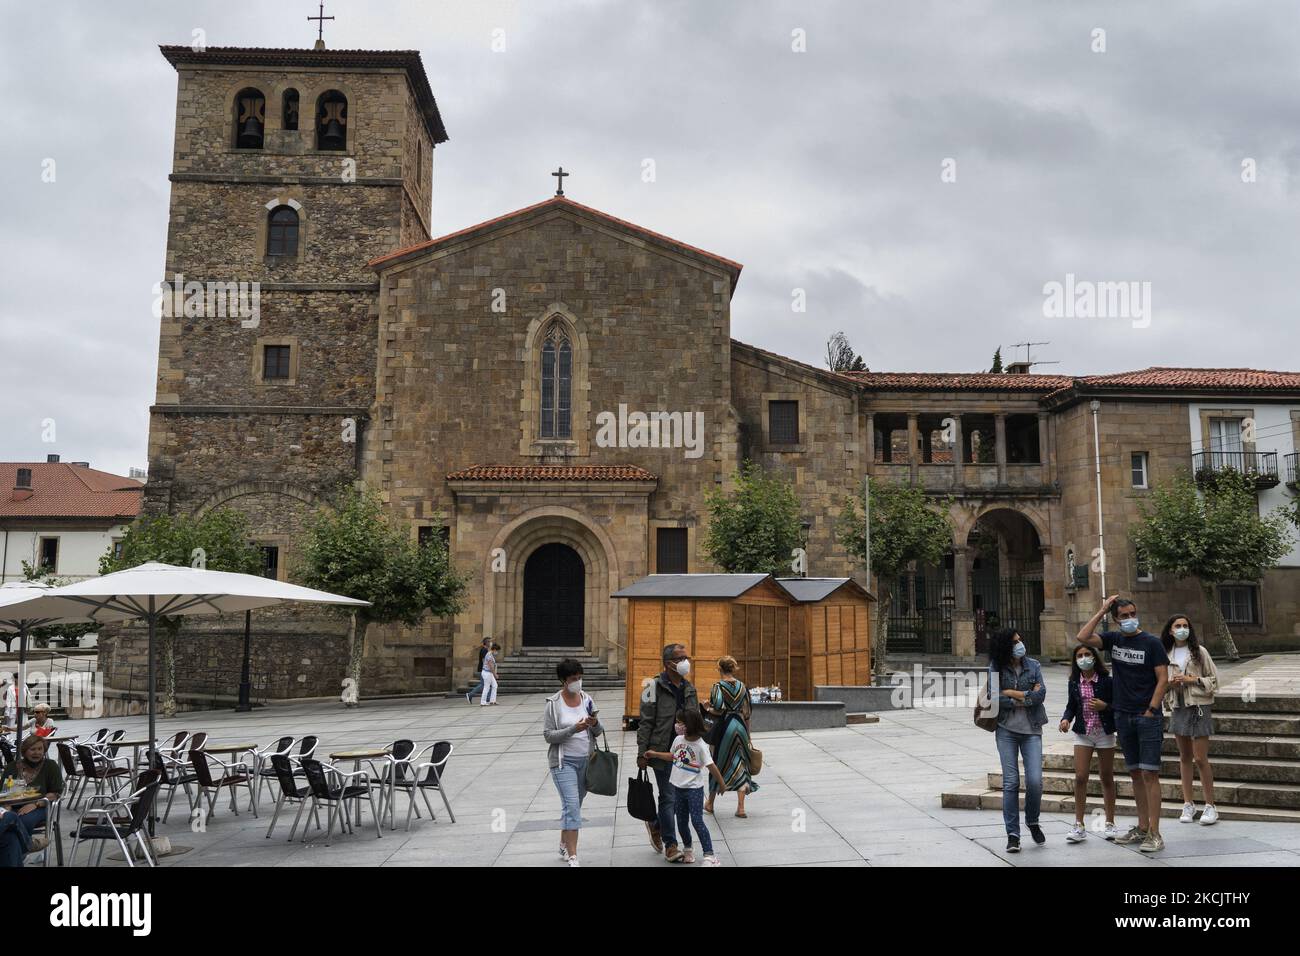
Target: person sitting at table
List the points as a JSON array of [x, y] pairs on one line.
[[34, 772], [41, 724]]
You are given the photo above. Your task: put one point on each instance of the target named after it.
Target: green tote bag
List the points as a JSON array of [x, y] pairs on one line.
[[602, 770]]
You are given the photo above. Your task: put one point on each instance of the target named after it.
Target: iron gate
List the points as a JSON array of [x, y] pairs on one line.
[[1007, 602], [920, 615]]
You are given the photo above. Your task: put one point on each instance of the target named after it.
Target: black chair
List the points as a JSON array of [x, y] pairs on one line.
[[172, 774], [282, 767], [439, 753], [396, 766], [337, 795], [72, 775], [103, 769], [233, 775], [261, 759], [306, 749], [129, 821], [7, 750]]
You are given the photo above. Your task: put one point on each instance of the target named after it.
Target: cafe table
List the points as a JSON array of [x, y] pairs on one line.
[[53, 828], [356, 756]]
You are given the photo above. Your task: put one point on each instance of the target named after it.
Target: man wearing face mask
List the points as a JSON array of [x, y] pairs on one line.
[[668, 693], [1141, 674]]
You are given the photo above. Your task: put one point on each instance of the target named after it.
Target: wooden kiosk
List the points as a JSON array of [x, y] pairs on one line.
[[795, 632]]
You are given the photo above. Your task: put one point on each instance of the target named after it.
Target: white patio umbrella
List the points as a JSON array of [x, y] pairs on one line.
[[24, 607], [153, 590]]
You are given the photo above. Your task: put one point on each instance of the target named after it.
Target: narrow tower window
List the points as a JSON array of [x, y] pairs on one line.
[[332, 121]]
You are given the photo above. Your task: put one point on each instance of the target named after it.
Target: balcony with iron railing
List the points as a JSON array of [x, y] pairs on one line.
[[1261, 466], [1293, 471]]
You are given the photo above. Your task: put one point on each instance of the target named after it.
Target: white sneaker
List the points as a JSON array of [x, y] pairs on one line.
[[710, 860], [1077, 834], [1189, 813], [1111, 831], [564, 853], [573, 861], [1209, 816]]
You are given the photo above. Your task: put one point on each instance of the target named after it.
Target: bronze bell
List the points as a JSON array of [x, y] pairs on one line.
[[250, 134], [334, 137]]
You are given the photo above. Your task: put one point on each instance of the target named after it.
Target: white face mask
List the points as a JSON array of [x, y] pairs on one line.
[[683, 667], [1181, 634], [575, 687]]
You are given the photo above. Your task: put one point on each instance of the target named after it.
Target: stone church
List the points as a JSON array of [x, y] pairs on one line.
[[554, 390]]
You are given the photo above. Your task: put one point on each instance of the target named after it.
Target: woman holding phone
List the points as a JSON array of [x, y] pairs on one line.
[[570, 728]]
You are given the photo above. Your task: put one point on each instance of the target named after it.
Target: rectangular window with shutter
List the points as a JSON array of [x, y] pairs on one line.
[[670, 551], [783, 423]]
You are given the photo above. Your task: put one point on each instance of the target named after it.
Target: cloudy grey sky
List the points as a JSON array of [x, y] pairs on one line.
[[819, 170]]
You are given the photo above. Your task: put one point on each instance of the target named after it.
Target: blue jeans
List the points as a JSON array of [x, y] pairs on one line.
[[667, 805], [477, 688], [689, 802], [16, 834], [571, 780], [1029, 747]]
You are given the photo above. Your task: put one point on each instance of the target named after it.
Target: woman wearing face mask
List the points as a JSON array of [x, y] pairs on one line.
[[1021, 715], [1193, 681], [570, 728], [33, 771], [1088, 711]]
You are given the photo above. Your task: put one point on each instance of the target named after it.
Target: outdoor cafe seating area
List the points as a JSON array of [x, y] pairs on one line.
[[118, 791]]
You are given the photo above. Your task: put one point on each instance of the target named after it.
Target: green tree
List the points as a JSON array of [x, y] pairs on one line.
[[217, 540], [755, 527], [906, 528], [352, 548], [997, 360], [71, 634], [1214, 534]]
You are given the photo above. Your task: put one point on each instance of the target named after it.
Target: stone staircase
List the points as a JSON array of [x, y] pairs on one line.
[[532, 671], [1255, 755]]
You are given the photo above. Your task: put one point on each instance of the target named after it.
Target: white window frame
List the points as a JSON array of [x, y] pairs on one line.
[[1145, 459]]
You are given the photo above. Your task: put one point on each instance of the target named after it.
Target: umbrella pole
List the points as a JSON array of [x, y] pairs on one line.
[[19, 691], [245, 678], [153, 623]]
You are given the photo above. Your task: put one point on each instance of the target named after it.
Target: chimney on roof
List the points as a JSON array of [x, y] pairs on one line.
[[80, 464], [22, 485], [51, 459], [1018, 368]]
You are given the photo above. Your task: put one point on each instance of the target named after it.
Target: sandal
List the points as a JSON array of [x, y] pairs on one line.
[[742, 814]]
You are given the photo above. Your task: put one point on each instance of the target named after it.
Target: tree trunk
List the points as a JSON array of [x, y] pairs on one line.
[[880, 637], [1221, 630], [168, 634], [356, 647]]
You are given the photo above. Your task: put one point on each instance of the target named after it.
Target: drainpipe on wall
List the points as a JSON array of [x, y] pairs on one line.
[[1096, 456], [4, 561]]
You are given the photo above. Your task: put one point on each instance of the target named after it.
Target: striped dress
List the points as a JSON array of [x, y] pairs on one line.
[[730, 700]]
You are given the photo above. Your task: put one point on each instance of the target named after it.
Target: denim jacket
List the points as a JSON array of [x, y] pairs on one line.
[[1030, 674]]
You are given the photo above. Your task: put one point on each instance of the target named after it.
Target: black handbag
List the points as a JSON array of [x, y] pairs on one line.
[[641, 802]]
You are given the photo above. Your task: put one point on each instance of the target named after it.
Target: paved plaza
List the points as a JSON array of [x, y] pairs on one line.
[[862, 795]]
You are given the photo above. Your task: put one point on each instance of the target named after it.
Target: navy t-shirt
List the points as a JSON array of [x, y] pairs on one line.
[[1133, 660]]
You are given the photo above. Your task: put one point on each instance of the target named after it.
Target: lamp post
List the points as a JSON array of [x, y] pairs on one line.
[[1096, 457]]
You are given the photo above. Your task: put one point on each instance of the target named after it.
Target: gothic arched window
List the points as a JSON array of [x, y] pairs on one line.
[[289, 110], [332, 121], [250, 118], [557, 383], [282, 232]]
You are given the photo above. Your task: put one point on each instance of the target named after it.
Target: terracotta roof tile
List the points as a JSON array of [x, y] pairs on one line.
[[65, 490], [958, 381], [552, 473]]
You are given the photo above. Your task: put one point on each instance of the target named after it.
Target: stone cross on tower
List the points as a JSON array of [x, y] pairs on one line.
[[559, 175], [320, 32]]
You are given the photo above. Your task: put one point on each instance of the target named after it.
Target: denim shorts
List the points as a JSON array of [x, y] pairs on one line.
[[1141, 739], [1098, 741]]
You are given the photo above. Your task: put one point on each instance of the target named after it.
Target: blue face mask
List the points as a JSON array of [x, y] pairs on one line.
[[1018, 651], [1129, 625], [1086, 662]]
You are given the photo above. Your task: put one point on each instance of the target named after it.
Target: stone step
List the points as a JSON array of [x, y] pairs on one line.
[[980, 798], [1246, 745], [1260, 770], [1258, 724], [559, 653], [1226, 792], [1263, 704]]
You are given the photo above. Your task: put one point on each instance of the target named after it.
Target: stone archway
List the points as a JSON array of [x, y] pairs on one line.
[[504, 591], [1005, 558], [554, 599]]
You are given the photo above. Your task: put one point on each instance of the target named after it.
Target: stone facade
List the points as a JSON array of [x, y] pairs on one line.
[[416, 368]]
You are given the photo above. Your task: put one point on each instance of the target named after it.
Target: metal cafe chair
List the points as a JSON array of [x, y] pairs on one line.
[[261, 757], [336, 796], [234, 774], [396, 765], [290, 792], [103, 769], [439, 753], [129, 821]]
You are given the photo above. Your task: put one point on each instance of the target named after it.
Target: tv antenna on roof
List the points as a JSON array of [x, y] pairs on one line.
[[1029, 363]]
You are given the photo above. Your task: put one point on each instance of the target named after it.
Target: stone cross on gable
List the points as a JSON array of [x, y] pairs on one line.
[[320, 31], [559, 175]]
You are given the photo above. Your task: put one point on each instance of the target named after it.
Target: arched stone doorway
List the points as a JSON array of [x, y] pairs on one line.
[[554, 591], [1004, 554]]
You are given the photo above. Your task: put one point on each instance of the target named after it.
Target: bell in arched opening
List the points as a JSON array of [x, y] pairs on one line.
[[332, 121], [289, 110], [250, 119]]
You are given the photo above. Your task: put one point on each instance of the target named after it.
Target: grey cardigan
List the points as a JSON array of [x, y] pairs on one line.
[[556, 735]]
